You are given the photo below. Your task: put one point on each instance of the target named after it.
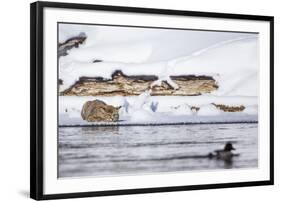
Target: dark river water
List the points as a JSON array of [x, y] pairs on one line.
[[102, 151]]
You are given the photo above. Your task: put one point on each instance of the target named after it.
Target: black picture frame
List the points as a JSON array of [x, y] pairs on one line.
[[37, 100]]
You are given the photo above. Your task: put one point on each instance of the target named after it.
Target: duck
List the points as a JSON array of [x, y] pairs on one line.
[[224, 154]]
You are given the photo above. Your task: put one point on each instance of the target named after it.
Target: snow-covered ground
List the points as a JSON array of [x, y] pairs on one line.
[[145, 109], [230, 58]]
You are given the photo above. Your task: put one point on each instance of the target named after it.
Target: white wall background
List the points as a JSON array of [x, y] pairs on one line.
[[14, 100]]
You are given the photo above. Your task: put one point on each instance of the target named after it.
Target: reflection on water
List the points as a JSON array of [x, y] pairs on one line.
[[99, 151]]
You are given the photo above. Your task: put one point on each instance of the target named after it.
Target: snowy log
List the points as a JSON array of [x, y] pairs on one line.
[[121, 84], [70, 43], [227, 108]]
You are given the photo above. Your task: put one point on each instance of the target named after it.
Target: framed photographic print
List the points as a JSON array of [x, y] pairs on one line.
[[136, 100]]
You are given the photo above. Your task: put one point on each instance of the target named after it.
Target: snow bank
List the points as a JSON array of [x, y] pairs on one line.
[[183, 109], [233, 65], [208, 110], [156, 103], [251, 110], [167, 44], [131, 53], [231, 58], [141, 115], [159, 109]]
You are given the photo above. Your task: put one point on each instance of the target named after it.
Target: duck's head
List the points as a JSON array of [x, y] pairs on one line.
[[228, 147]]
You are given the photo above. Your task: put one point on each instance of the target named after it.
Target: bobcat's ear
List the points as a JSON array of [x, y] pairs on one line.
[[118, 107]]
